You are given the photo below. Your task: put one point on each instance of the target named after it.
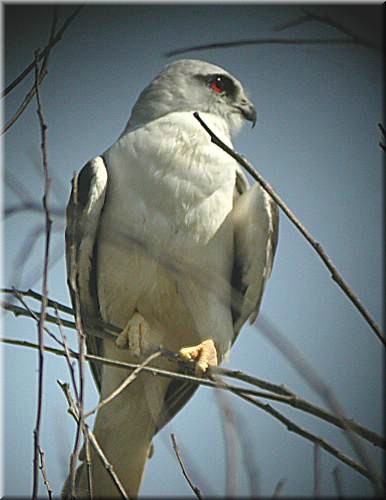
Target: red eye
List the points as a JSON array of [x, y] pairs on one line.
[[216, 86], [221, 84]]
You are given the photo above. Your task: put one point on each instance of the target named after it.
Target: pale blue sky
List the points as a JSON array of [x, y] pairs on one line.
[[316, 141]]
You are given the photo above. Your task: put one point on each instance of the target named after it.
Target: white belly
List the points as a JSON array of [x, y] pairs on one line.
[[166, 226]]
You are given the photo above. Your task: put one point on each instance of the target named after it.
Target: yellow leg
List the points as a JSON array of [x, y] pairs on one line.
[[203, 354], [135, 336]]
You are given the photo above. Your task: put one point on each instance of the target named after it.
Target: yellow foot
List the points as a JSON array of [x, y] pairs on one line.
[[134, 336], [203, 354]]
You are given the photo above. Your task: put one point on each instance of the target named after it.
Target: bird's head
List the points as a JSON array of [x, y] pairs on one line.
[[193, 85]]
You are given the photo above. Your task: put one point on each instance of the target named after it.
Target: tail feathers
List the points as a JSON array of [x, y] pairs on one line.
[[124, 430]]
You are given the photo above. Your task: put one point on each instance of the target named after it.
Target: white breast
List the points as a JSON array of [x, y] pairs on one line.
[[170, 191], [168, 179]]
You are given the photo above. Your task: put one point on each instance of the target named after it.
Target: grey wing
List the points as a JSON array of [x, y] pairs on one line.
[[256, 225], [83, 215], [255, 220]]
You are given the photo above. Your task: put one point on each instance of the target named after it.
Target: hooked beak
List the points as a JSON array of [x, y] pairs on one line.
[[248, 110]]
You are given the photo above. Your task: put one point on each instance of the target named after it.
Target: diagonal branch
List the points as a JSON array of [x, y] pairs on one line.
[[247, 395], [53, 41], [281, 393], [272, 41], [194, 488], [336, 276], [128, 380], [352, 38], [40, 74], [300, 431], [309, 375], [73, 410]]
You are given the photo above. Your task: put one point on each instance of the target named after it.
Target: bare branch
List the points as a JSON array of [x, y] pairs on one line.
[[19, 311], [328, 20], [280, 394], [300, 431], [231, 439], [317, 471], [235, 429], [305, 370], [36, 317], [194, 488], [81, 340], [244, 394], [88, 465], [298, 402], [68, 356], [128, 380], [73, 410], [43, 130], [293, 22], [43, 469], [37, 296], [30, 207], [53, 41], [336, 276], [270, 41], [353, 38], [40, 74]]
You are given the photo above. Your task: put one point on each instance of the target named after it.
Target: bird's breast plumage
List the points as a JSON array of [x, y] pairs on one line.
[[175, 182], [169, 195]]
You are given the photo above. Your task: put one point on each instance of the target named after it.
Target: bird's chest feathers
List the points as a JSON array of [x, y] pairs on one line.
[[178, 182]]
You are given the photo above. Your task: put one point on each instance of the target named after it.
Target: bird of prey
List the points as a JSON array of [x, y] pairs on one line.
[[172, 247]]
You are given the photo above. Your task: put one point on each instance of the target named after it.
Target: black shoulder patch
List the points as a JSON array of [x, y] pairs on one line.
[[84, 184]]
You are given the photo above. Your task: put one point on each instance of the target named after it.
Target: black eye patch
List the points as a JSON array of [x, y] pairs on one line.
[[221, 84]]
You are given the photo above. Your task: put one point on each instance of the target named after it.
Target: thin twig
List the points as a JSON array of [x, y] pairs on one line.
[[336, 276], [234, 428], [37, 296], [19, 311], [328, 20], [194, 488], [43, 130], [272, 41], [73, 410], [35, 316], [290, 24], [317, 471], [300, 431], [288, 397], [87, 450], [309, 375], [128, 380], [44, 52], [231, 440], [30, 207], [68, 356], [291, 426], [81, 341], [338, 481], [353, 38], [43, 469], [40, 74], [298, 402]]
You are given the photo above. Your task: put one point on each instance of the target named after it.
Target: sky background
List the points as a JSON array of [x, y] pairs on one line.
[[316, 141]]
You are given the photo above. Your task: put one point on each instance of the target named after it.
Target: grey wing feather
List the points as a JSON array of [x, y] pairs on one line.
[[255, 219], [83, 216], [256, 224]]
